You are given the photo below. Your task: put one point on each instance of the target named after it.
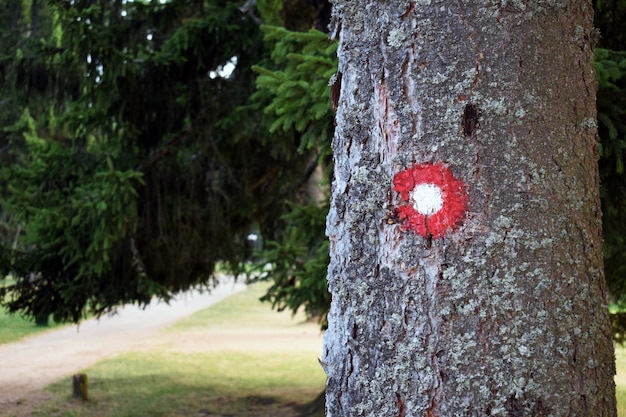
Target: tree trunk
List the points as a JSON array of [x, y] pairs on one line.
[[466, 265]]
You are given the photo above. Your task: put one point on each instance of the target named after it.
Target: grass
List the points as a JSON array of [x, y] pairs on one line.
[[620, 380], [14, 327], [228, 375], [246, 371], [170, 384]]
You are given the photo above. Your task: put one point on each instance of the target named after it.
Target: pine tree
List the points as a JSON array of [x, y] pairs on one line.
[[295, 84], [611, 73], [132, 166]]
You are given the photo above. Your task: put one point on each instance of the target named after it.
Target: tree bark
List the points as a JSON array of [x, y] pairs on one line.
[[502, 311]]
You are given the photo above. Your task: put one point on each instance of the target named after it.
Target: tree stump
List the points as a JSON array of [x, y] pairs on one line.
[[80, 386]]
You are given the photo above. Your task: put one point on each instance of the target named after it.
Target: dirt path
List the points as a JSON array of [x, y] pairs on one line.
[[33, 363]]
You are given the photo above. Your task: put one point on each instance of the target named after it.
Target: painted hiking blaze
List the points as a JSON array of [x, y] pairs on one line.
[[437, 200]]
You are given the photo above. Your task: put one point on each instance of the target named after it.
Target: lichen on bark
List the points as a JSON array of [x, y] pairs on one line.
[[505, 315]]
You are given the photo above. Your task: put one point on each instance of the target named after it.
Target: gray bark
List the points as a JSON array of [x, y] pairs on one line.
[[505, 314]]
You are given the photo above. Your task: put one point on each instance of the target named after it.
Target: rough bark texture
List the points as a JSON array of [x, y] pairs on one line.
[[506, 314]]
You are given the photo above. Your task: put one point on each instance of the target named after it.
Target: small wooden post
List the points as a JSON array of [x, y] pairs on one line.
[[80, 388]]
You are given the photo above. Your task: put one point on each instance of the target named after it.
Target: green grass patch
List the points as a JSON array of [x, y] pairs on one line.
[[620, 379], [14, 327], [241, 382], [240, 312], [170, 384], [274, 380]]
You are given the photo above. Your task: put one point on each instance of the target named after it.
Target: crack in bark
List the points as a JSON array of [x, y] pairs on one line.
[[432, 269], [401, 405]]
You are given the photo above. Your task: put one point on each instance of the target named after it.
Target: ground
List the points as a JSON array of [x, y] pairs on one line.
[[31, 364]]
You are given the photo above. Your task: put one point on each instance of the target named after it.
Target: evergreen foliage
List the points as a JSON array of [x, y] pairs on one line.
[[610, 62], [299, 86], [295, 84], [129, 166], [611, 71], [298, 262]]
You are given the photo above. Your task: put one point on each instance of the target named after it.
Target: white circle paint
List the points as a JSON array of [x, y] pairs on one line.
[[426, 199]]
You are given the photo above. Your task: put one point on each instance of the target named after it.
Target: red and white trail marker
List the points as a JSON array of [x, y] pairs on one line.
[[436, 199]]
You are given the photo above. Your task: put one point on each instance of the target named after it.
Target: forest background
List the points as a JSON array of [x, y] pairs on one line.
[[146, 144]]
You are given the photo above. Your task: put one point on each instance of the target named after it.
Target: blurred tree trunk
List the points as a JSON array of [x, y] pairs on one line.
[[482, 292]]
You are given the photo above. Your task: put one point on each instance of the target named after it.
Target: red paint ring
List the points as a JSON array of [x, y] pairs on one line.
[[453, 193]]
